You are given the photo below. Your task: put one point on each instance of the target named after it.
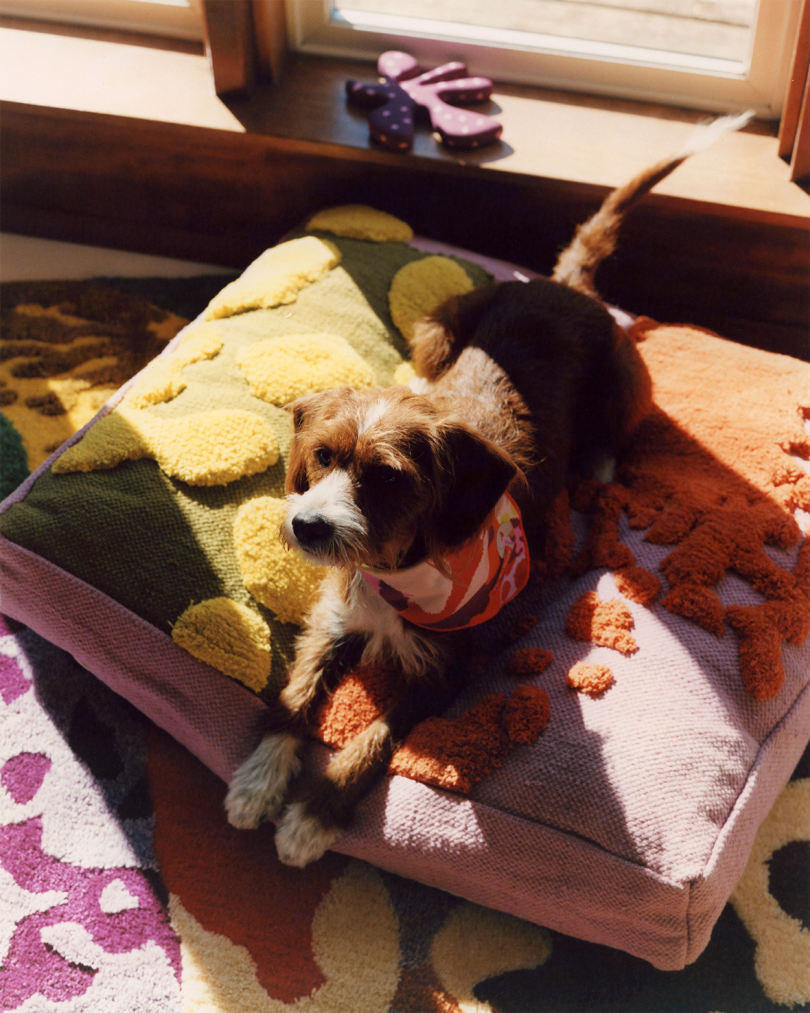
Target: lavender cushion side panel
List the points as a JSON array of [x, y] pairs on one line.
[[526, 869], [775, 763], [214, 717]]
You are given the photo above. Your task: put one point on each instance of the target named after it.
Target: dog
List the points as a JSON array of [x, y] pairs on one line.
[[425, 504]]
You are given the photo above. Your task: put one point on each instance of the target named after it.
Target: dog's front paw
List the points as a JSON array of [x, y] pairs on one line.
[[259, 785], [301, 838]]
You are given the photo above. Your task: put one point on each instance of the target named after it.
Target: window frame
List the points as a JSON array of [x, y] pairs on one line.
[[794, 127], [167, 20], [625, 72]]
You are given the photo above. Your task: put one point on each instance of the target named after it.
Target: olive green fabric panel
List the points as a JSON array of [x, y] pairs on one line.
[[157, 544]]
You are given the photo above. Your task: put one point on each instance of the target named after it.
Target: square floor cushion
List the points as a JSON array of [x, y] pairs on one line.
[[636, 710]]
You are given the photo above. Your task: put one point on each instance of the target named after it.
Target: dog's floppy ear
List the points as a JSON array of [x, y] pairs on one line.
[[299, 408], [309, 414], [296, 479], [476, 474]]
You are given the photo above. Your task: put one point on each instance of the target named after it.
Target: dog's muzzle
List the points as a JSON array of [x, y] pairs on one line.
[[313, 532]]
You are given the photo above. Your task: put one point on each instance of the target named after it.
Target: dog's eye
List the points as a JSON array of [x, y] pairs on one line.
[[385, 475], [323, 456]]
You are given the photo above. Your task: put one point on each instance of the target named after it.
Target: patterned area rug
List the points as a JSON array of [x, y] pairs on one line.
[[122, 886]]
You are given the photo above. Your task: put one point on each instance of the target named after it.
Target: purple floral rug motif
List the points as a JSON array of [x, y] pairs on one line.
[[83, 922]]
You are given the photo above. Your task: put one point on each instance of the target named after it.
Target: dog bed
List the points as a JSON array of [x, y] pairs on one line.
[[667, 624]]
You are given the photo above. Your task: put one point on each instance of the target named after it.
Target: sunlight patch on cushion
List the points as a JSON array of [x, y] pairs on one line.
[[228, 636], [422, 286], [604, 623], [277, 577], [404, 374], [281, 369], [276, 277], [205, 448], [590, 678], [163, 379]]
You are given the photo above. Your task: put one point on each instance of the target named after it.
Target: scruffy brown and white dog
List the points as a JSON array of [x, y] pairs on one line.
[[425, 505]]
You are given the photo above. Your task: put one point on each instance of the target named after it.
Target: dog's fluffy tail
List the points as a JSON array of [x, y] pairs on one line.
[[595, 240]]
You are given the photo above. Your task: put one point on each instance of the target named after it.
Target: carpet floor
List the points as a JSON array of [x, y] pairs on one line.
[[122, 886]]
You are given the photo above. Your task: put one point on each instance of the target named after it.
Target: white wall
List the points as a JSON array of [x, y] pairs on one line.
[[23, 258]]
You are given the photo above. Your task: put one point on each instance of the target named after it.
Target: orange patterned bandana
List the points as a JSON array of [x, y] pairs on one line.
[[485, 573]]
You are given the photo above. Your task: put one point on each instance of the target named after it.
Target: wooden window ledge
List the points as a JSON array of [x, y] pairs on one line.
[[113, 139]]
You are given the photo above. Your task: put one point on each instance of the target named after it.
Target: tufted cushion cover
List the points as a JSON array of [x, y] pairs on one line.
[[668, 627]]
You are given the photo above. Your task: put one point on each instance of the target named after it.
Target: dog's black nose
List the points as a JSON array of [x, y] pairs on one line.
[[312, 532]]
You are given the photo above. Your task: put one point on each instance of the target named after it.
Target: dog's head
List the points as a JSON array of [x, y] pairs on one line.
[[377, 474]]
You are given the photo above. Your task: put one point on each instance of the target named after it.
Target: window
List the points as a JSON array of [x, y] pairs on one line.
[[179, 19], [525, 42]]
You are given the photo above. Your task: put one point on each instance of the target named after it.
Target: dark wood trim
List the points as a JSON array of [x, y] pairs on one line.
[[229, 34], [794, 128], [270, 33], [800, 156], [549, 137], [722, 242], [797, 86], [222, 197]]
